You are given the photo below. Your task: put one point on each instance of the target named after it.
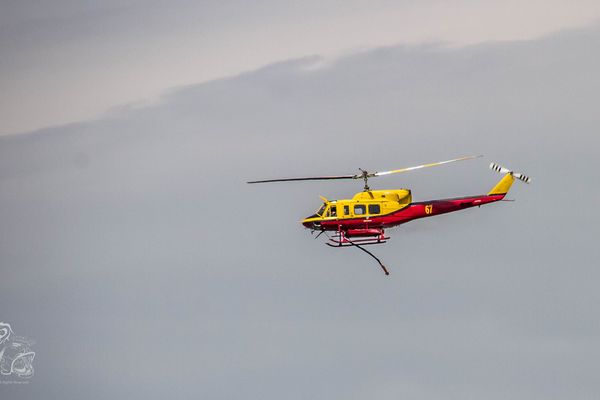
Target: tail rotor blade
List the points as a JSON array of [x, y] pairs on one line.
[[522, 177], [499, 168]]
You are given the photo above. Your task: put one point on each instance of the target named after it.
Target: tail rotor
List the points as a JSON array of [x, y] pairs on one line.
[[503, 170]]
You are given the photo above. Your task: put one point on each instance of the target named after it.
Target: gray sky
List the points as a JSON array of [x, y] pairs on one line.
[[135, 256], [65, 61]]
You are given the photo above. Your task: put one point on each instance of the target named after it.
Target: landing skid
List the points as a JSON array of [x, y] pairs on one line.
[[344, 241], [354, 243], [341, 240]]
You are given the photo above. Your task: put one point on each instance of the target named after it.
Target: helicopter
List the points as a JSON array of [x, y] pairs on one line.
[[363, 219]]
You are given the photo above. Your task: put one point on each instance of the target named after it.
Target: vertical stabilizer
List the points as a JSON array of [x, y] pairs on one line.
[[503, 186], [506, 182]]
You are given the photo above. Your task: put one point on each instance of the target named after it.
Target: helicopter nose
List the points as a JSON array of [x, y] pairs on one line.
[[310, 223]]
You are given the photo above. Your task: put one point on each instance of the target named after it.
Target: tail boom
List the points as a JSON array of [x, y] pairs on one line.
[[431, 208]]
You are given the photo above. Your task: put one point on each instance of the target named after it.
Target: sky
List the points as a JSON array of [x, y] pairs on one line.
[[66, 61], [142, 265]]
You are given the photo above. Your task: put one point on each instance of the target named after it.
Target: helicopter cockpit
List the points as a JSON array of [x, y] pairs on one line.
[[321, 211], [327, 210]]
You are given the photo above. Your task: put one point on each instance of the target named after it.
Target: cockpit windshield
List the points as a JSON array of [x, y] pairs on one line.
[[321, 211]]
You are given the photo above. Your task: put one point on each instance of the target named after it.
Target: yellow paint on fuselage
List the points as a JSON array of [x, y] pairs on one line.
[[364, 204]]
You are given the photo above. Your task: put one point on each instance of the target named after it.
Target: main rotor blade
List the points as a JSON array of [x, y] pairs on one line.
[[314, 178], [395, 171]]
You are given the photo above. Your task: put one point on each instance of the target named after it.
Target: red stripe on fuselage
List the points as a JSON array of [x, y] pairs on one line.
[[416, 210]]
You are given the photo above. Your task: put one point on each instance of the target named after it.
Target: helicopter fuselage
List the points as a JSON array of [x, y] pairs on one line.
[[369, 212]]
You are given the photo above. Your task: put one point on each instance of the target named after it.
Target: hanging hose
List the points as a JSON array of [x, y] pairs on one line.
[[371, 254]]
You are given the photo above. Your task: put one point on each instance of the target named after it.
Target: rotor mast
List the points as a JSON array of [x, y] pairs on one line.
[[365, 176]]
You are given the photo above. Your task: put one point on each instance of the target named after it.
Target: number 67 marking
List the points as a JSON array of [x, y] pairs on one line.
[[428, 209]]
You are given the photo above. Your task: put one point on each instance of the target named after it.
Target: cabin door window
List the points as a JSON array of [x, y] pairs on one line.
[[360, 209], [374, 209]]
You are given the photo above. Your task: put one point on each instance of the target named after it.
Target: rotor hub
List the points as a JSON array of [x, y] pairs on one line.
[[365, 176]]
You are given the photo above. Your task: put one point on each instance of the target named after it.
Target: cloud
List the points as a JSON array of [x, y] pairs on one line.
[[140, 257], [71, 61]]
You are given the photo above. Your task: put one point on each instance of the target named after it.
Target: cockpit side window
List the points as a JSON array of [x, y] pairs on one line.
[[333, 211]]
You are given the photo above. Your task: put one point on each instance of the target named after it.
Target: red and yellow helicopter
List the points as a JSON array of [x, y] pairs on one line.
[[362, 220]]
